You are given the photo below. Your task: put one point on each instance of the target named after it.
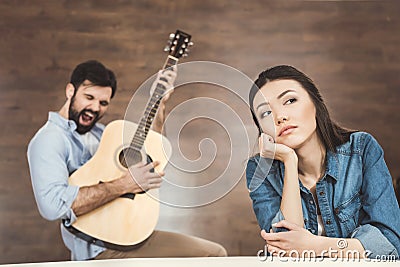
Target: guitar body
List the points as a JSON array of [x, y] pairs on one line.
[[124, 221]]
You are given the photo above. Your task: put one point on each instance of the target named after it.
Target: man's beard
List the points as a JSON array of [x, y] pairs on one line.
[[74, 115]]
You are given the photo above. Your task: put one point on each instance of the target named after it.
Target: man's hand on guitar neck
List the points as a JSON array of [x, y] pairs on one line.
[[166, 78], [137, 179]]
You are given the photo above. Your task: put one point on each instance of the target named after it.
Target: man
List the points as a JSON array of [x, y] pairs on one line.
[[68, 140]]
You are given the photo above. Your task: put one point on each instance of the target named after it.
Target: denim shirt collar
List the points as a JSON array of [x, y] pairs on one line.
[[332, 167]]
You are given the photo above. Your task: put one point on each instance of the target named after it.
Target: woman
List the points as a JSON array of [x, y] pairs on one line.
[[317, 187]]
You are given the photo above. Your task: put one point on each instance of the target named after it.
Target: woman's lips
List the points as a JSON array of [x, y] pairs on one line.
[[287, 130]]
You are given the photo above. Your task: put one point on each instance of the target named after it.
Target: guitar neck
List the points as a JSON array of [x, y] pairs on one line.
[[151, 109]]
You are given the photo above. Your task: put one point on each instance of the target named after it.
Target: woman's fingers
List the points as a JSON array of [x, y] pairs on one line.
[[270, 236], [287, 225], [266, 146]]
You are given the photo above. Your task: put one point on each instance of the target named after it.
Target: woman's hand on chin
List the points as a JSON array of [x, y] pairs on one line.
[[269, 149]]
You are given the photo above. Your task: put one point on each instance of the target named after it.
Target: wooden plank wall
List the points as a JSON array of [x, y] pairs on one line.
[[350, 48]]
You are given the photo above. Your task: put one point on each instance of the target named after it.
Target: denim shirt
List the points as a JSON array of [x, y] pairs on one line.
[[355, 196], [54, 153]]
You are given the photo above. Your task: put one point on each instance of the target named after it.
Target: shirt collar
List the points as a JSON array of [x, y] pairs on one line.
[[59, 120], [332, 165], [68, 125]]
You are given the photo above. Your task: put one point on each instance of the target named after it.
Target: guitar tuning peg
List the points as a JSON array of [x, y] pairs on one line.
[[167, 48], [190, 44], [185, 55], [187, 50], [171, 36]]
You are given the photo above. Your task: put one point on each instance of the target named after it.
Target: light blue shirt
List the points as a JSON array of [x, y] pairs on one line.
[[54, 153], [355, 196]]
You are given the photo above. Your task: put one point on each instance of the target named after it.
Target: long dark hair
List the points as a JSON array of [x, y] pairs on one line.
[[330, 133]]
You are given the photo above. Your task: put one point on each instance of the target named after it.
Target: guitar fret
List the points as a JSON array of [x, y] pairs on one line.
[[140, 137], [136, 146], [139, 134], [152, 105], [141, 126], [159, 90], [137, 141], [150, 110]]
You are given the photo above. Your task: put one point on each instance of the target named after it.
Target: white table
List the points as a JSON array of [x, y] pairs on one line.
[[213, 262]]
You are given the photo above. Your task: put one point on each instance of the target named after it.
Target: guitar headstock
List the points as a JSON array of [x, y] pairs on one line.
[[178, 44]]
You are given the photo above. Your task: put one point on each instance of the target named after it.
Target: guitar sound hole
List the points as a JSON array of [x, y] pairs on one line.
[[129, 156]]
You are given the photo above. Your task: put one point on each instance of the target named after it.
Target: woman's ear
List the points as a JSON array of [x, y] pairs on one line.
[[69, 90]]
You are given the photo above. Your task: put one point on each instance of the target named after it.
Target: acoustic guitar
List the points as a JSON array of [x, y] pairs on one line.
[[130, 219]]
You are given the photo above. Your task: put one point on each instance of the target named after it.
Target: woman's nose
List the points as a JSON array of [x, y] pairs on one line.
[[282, 119]]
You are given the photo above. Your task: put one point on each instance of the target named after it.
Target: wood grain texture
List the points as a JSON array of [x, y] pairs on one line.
[[350, 49]]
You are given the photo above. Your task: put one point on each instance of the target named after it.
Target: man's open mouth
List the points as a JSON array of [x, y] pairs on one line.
[[87, 118]]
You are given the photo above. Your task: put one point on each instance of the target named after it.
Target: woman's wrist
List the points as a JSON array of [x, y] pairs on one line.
[[319, 245], [290, 159]]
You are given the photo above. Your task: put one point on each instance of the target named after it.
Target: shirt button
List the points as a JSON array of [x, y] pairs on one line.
[[321, 193], [311, 202], [328, 222]]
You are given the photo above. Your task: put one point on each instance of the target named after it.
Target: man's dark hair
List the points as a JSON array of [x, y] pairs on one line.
[[96, 73]]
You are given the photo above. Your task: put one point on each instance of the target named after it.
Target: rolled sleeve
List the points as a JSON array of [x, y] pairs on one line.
[[374, 242], [47, 155], [278, 217], [266, 199], [68, 197]]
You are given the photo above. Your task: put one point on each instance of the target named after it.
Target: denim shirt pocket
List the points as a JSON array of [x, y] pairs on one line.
[[348, 214]]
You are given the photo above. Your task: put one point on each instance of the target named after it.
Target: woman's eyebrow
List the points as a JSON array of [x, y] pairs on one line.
[[284, 93], [262, 104], [279, 97]]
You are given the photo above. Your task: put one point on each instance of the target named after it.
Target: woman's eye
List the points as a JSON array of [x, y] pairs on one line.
[[290, 101], [265, 114]]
